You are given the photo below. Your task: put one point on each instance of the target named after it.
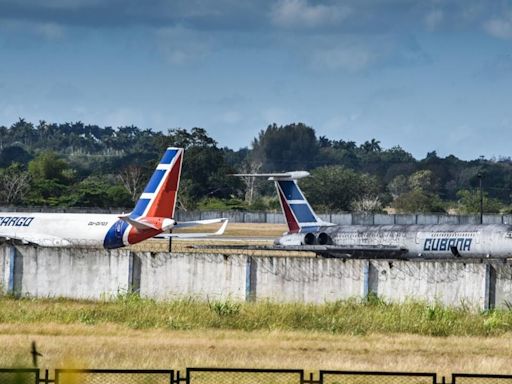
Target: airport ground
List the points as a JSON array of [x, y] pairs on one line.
[[110, 346], [126, 333], [129, 333], [249, 230]]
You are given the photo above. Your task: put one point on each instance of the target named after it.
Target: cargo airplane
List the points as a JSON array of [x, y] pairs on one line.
[[153, 216], [307, 232]]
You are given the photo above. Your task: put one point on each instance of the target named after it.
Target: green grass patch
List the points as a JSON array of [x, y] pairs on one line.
[[354, 316]]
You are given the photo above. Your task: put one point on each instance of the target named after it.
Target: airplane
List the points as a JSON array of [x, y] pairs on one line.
[[153, 216], [307, 232]]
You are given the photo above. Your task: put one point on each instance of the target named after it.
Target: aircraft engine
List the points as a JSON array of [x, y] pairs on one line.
[[309, 239], [324, 239]]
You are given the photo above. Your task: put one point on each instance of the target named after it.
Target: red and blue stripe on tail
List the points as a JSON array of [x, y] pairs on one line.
[[157, 202], [299, 215]]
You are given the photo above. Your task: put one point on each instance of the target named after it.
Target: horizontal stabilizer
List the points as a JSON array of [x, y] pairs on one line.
[[137, 223], [276, 176], [219, 232], [185, 224]]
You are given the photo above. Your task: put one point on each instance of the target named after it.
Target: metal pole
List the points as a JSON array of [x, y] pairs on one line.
[[481, 199]]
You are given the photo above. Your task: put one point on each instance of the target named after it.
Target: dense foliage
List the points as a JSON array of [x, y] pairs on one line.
[[74, 164]]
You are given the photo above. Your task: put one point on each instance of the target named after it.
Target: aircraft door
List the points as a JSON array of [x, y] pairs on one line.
[[118, 232]]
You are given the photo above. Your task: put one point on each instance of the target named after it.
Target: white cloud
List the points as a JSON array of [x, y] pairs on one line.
[[231, 117], [181, 46], [338, 123], [433, 19], [500, 27], [123, 116], [300, 14], [277, 115], [352, 59], [50, 31], [9, 113], [70, 4]]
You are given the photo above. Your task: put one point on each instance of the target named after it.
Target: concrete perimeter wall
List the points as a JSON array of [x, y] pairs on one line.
[[92, 274], [64, 272]]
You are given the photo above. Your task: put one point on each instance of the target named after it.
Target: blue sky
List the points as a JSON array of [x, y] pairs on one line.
[[426, 75]]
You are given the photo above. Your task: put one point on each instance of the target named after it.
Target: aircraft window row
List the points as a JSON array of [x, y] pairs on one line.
[[453, 234], [371, 235]]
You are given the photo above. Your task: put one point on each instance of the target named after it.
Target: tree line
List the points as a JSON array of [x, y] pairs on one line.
[[74, 164]]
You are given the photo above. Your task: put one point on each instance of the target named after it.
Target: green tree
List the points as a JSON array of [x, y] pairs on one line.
[[336, 187], [14, 154], [118, 196], [51, 177], [417, 195], [371, 146], [97, 191], [49, 166], [205, 172], [417, 200], [284, 148], [469, 202], [423, 181], [47, 192]]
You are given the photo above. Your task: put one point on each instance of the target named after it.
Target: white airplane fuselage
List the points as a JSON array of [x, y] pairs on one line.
[[65, 229], [420, 241]]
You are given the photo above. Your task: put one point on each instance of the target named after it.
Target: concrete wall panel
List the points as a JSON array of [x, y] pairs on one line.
[[452, 219], [468, 219], [4, 269], [362, 219], [503, 285], [450, 283], [382, 219], [310, 280], [507, 219], [275, 218], [255, 217], [165, 276], [341, 218], [427, 219], [74, 273], [492, 219], [405, 219]]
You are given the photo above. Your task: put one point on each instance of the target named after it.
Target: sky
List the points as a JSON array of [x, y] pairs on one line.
[[428, 75]]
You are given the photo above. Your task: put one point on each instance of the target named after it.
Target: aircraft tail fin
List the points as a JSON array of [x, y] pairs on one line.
[[159, 196], [296, 209]]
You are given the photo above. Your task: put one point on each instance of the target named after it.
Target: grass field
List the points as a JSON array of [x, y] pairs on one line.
[[112, 346], [241, 229], [129, 332], [371, 335]]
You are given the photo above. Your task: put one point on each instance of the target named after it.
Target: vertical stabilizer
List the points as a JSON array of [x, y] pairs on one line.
[[159, 196], [297, 211]]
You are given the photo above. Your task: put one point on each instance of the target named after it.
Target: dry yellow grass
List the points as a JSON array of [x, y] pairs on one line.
[[241, 229], [111, 346], [256, 234]]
